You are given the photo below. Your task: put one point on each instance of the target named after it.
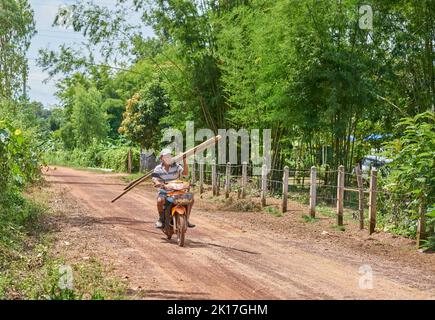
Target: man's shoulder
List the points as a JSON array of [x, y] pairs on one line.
[[158, 167]]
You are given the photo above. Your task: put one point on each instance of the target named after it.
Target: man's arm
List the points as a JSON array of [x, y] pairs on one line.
[[155, 178]]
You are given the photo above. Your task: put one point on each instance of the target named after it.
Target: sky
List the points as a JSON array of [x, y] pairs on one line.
[[52, 37]]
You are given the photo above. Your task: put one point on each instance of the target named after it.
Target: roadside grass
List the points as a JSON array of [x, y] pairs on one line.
[[274, 211], [133, 176], [326, 211], [338, 228], [28, 268], [309, 219], [244, 205]]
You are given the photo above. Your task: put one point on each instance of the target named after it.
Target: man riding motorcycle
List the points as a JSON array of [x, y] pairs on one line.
[[163, 173]]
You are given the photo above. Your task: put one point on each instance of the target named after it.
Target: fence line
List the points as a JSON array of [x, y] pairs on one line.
[[316, 182]]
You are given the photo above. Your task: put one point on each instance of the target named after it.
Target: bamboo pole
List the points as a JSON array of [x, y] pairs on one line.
[[186, 154], [133, 185], [136, 180]]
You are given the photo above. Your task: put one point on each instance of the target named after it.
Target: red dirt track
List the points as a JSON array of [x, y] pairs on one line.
[[221, 259]]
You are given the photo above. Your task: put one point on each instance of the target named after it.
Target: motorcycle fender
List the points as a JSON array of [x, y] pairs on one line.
[[179, 210]]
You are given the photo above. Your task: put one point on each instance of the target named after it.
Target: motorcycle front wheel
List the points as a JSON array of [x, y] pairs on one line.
[[168, 228], [181, 229]]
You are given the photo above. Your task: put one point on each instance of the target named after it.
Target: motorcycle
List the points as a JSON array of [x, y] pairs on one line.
[[176, 209]]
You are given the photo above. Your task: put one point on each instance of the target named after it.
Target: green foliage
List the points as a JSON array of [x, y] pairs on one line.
[[41, 278], [338, 228], [303, 68], [274, 211], [16, 214], [116, 159], [17, 27], [114, 109], [18, 157], [109, 156], [413, 154], [309, 219], [411, 178], [144, 111], [429, 243], [188, 32], [326, 211], [88, 119]]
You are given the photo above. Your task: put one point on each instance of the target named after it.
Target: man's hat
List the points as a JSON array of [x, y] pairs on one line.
[[165, 152]]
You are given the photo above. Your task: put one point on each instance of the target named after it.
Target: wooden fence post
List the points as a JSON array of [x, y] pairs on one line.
[[192, 173], [340, 194], [129, 160], [244, 178], [263, 184], [213, 179], [284, 189], [201, 177], [421, 227], [372, 200], [227, 180], [218, 183], [297, 177], [313, 187], [359, 180]]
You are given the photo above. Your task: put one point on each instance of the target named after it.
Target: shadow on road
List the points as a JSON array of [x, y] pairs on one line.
[[87, 221], [63, 175], [199, 244], [89, 183]]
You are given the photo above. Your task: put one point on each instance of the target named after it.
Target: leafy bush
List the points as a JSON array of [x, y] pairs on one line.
[[18, 157], [411, 181], [116, 158], [18, 167], [107, 156], [429, 243]]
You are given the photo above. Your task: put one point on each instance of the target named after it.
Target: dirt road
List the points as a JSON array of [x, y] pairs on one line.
[[222, 259]]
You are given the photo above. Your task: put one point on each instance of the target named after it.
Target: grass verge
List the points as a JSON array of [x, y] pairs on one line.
[[29, 270]]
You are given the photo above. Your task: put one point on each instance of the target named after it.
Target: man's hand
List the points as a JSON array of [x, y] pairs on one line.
[[157, 183]]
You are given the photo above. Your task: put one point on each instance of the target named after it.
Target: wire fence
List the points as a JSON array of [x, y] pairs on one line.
[[363, 193], [298, 184]]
